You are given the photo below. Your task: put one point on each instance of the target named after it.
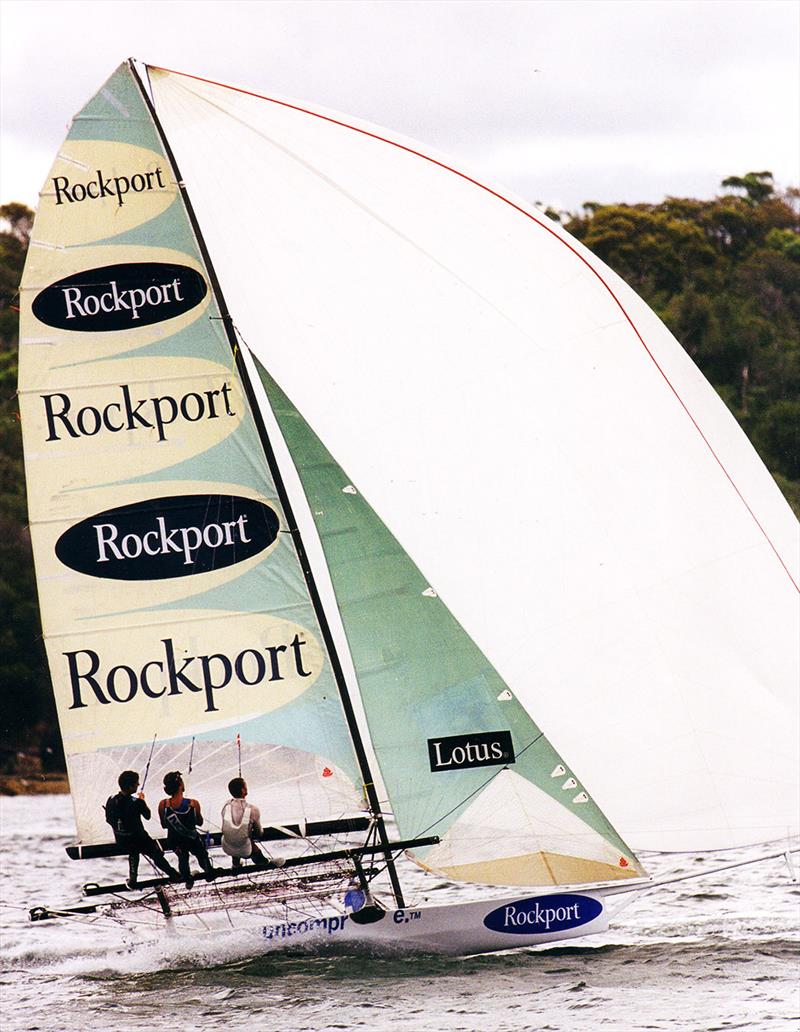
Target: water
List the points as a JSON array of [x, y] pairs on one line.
[[716, 954]]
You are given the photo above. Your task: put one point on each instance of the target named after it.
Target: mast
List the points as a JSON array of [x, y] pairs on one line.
[[269, 454]]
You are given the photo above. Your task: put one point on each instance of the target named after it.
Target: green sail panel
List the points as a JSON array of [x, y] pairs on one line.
[[460, 756], [177, 619]]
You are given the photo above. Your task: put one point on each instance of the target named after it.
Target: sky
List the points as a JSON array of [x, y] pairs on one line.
[[559, 102]]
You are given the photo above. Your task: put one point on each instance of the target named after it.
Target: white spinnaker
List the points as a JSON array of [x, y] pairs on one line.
[[539, 443]]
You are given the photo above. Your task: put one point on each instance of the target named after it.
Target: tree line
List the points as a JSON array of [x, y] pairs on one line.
[[723, 274]]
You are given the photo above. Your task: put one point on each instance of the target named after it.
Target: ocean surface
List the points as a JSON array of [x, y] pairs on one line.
[[713, 954]]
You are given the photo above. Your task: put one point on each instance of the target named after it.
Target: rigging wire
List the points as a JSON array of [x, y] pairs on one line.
[[149, 758], [480, 788]]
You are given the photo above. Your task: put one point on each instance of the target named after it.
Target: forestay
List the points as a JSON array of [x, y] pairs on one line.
[[530, 433]]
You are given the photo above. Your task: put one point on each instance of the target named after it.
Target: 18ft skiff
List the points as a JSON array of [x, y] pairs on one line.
[[267, 356]]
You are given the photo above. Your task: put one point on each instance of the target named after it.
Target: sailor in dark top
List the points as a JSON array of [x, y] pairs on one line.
[[181, 817], [124, 814]]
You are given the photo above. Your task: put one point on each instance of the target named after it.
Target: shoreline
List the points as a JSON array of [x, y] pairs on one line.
[[34, 784]]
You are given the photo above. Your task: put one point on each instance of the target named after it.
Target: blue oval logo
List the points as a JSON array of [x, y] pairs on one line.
[[169, 537], [540, 914]]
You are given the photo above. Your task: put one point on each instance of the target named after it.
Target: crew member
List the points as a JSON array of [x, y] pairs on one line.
[[182, 817], [124, 813], [241, 826]]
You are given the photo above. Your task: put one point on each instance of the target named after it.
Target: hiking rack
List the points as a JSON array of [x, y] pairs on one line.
[[260, 888], [352, 854]]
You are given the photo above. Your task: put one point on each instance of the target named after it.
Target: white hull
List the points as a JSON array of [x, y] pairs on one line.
[[454, 928]]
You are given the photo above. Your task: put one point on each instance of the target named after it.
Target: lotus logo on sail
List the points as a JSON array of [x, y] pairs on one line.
[[169, 537], [481, 749], [539, 915], [120, 297]]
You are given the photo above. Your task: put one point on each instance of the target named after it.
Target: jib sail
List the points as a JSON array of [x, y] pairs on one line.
[[460, 756]]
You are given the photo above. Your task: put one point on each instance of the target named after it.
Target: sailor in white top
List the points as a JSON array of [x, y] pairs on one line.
[[241, 826]]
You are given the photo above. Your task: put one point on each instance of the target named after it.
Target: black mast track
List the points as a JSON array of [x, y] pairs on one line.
[[266, 444]]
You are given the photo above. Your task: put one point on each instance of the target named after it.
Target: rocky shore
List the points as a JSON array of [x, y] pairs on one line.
[[33, 767], [34, 784]]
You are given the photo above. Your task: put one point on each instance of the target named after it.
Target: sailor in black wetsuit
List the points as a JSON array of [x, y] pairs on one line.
[[124, 814], [181, 817]]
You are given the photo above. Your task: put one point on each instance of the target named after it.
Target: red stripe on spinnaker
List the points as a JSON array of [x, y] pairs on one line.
[[541, 225]]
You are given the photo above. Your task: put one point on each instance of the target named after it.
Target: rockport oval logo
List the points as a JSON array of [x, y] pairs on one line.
[[540, 914], [169, 537], [120, 297]]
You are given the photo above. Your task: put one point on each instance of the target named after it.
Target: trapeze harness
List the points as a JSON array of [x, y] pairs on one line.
[[181, 824]]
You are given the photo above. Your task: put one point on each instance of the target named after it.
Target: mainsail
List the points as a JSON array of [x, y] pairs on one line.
[[177, 619]]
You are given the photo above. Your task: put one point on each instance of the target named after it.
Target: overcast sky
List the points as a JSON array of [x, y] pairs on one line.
[[561, 102]]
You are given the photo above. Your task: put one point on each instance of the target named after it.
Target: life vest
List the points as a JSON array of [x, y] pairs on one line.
[[236, 839]]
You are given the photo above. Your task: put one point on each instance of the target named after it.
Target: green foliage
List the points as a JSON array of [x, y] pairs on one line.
[[724, 275], [26, 699], [758, 186]]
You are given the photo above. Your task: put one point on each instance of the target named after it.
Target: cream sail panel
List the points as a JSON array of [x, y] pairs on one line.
[[515, 834], [117, 421], [420, 263], [196, 671], [89, 303], [140, 546], [101, 188], [286, 784]]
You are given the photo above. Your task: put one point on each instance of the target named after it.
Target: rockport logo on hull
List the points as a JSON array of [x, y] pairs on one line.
[[482, 749], [173, 674], [538, 915], [169, 537], [107, 186], [65, 420], [120, 297]]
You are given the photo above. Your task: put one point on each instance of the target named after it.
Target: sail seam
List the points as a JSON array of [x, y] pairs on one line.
[[542, 225]]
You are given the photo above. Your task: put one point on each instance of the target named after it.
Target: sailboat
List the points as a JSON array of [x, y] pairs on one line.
[[362, 479]]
